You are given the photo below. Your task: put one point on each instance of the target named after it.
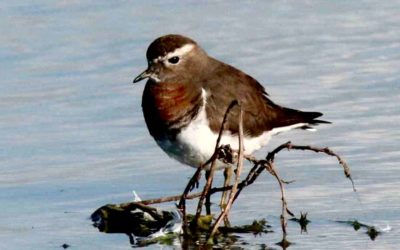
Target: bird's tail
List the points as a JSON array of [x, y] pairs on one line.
[[291, 119]]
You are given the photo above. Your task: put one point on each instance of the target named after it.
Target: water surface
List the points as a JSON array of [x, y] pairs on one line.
[[73, 138]]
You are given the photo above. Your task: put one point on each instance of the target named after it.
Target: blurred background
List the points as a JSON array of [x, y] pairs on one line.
[[73, 138]]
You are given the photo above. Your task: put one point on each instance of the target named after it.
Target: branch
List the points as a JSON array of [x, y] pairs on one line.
[[238, 171], [289, 145]]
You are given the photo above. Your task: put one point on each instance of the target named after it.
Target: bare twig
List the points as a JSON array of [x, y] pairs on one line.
[[183, 197], [162, 199], [195, 177], [289, 145], [270, 168], [225, 153], [213, 161], [205, 192], [328, 151], [256, 170], [238, 171]]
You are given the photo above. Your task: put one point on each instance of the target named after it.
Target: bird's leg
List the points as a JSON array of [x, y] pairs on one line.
[[208, 197], [182, 202], [224, 197], [227, 180]]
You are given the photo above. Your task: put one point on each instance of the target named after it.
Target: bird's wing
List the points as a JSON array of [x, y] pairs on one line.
[[260, 114]]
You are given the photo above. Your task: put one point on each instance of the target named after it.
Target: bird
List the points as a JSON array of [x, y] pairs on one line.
[[187, 95]]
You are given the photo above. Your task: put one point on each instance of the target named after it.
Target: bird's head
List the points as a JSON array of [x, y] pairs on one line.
[[173, 58]]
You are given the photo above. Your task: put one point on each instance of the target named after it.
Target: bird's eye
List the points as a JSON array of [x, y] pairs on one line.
[[173, 60]]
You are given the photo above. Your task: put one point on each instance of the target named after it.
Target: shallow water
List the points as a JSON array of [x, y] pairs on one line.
[[72, 135]]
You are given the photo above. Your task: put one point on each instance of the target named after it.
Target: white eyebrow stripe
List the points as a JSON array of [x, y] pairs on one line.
[[177, 52], [180, 51]]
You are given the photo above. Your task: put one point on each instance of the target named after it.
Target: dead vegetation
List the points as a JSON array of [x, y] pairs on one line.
[[140, 219]]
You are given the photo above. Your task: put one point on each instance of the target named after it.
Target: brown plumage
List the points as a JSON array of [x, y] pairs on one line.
[[188, 93], [168, 107], [260, 114]]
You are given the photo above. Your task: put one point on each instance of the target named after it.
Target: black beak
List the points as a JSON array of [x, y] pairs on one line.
[[145, 74]]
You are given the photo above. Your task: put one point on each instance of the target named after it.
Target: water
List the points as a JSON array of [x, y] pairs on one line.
[[72, 135]]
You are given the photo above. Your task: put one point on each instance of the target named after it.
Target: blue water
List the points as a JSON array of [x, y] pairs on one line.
[[72, 135]]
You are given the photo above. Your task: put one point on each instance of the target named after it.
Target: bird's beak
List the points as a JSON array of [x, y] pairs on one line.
[[145, 74]]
